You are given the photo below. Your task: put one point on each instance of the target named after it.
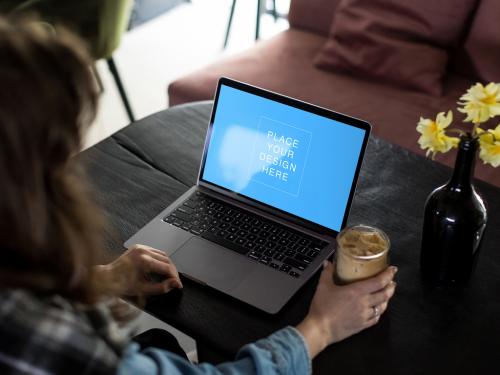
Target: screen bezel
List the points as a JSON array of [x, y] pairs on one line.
[[320, 111]]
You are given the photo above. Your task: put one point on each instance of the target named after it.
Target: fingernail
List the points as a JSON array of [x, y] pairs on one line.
[[394, 284], [394, 270], [325, 263]]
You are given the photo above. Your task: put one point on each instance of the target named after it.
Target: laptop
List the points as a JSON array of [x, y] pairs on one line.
[[275, 186]]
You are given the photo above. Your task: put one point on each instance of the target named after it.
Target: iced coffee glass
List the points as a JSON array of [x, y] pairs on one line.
[[362, 252]]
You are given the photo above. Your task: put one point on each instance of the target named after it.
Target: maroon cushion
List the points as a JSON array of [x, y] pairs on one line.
[[312, 15], [395, 41], [479, 57]]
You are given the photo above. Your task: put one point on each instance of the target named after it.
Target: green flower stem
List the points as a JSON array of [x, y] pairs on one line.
[[474, 129]]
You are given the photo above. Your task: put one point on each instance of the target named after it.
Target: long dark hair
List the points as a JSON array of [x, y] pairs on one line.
[[49, 230]]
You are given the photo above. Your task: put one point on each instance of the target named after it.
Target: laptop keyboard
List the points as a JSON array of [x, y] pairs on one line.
[[261, 240]]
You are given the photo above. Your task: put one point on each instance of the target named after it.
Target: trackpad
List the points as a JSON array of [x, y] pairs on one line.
[[211, 264]]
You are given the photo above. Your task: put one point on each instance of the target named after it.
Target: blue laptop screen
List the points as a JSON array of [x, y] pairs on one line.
[[285, 157]]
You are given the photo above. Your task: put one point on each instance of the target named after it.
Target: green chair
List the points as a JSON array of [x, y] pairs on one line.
[[100, 23]]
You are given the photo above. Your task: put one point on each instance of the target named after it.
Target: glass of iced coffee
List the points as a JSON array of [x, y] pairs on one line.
[[362, 252]]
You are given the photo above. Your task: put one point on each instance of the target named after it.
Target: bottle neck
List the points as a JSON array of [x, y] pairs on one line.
[[463, 174]]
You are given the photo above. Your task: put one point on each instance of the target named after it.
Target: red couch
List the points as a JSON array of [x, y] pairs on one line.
[[285, 64]]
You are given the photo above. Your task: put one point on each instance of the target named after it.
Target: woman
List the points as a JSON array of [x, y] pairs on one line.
[[54, 314]]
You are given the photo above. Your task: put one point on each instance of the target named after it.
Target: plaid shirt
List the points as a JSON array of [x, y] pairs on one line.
[[49, 335]]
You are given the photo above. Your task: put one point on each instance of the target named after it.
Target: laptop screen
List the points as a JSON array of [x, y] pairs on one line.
[[292, 159]]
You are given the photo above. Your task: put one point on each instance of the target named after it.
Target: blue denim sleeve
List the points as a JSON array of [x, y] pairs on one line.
[[284, 352]]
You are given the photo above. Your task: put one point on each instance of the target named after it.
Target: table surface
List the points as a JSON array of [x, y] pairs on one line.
[[140, 170]]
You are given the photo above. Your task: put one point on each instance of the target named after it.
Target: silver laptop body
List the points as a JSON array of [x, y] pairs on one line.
[[250, 277]]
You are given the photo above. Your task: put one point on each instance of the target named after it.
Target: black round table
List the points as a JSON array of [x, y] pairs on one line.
[[141, 169]]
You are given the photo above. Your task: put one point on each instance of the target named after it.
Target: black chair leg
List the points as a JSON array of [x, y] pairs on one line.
[[118, 81], [229, 22], [257, 22], [275, 11]]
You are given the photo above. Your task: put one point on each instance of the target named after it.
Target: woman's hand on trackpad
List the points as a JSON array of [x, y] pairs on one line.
[[141, 270]]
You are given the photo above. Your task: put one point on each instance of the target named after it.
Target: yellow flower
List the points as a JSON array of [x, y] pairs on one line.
[[433, 137], [490, 146], [481, 103]]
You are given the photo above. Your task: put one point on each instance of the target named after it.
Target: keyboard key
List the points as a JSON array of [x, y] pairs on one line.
[[280, 249], [225, 243], [186, 227], [231, 237], [240, 241], [168, 219], [289, 253], [274, 265], [196, 231], [251, 237], [178, 223], [302, 258], [270, 245], [285, 268], [283, 242], [254, 255], [294, 274], [278, 256], [191, 204], [265, 260], [313, 253], [181, 215], [250, 245], [222, 233], [232, 229], [295, 263], [273, 238], [185, 209], [304, 241], [268, 252], [241, 233], [302, 250]]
